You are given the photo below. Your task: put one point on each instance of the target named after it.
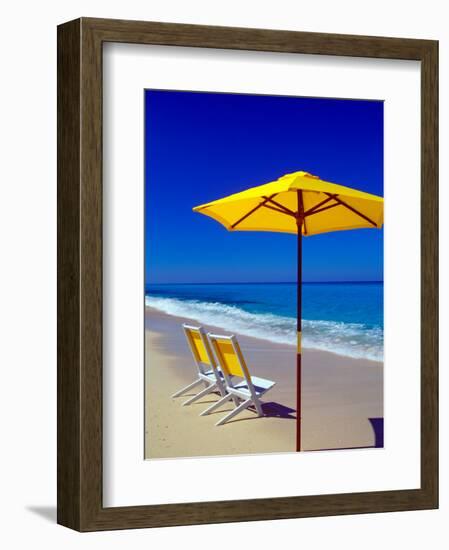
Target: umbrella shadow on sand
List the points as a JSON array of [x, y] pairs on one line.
[[378, 427], [377, 424]]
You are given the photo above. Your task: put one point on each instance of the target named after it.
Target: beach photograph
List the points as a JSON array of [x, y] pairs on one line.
[[264, 287]]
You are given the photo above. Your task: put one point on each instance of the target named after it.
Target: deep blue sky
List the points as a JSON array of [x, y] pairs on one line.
[[204, 146]]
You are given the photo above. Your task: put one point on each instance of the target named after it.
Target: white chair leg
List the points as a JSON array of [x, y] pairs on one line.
[[223, 392], [201, 394], [234, 412], [187, 388], [236, 400], [216, 405], [258, 406]]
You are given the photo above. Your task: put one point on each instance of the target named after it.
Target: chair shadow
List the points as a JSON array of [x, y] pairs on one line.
[[205, 400], [273, 409], [270, 410], [46, 512], [377, 425]]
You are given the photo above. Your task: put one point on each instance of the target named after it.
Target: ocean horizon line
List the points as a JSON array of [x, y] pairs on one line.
[[264, 283]]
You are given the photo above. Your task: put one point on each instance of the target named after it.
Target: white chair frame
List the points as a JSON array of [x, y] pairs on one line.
[[208, 374], [242, 398]]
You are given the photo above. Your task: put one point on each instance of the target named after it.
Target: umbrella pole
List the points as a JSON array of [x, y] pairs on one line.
[[299, 222], [298, 349]]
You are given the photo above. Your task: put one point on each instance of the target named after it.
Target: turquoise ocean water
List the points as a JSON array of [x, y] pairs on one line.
[[346, 318]]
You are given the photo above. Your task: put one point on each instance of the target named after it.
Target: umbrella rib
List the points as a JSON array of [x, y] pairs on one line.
[[322, 203], [322, 209], [266, 199], [281, 206], [343, 203], [277, 209]]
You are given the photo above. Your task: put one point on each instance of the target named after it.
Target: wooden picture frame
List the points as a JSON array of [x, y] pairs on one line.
[[80, 504]]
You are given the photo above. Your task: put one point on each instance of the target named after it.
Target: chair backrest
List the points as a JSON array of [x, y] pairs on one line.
[[200, 348], [230, 358]]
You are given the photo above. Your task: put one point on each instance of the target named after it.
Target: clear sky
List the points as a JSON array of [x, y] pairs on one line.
[[203, 146]]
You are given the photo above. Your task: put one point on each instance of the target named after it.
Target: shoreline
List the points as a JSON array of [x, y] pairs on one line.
[[219, 329], [342, 398]]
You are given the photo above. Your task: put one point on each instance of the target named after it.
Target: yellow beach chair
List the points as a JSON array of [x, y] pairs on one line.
[[245, 390], [208, 372]]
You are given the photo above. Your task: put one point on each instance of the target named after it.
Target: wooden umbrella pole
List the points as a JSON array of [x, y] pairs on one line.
[[299, 222]]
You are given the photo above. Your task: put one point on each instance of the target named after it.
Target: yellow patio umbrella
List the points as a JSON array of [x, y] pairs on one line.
[[298, 203]]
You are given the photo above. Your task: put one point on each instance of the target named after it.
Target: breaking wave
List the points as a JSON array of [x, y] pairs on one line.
[[350, 339]]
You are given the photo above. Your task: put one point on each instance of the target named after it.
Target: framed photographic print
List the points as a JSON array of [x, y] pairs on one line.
[[247, 274]]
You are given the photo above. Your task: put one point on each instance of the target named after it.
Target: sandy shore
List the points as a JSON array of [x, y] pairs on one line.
[[342, 399]]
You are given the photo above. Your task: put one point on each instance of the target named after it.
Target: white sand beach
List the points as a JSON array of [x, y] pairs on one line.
[[342, 399]]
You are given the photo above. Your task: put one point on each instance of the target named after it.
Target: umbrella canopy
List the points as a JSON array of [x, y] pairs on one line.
[[298, 203], [326, 207]]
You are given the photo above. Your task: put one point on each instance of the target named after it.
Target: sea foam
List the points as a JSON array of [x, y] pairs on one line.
[[350, 339]]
